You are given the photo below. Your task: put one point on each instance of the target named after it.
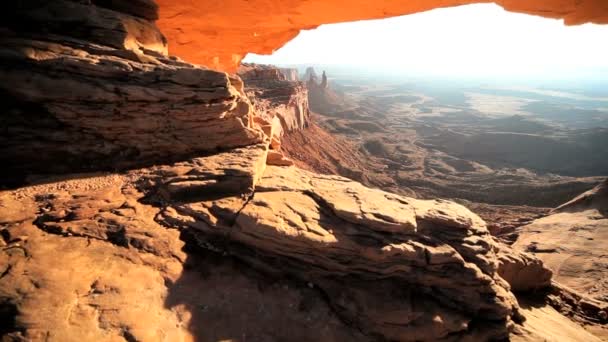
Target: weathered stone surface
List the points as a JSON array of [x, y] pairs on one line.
[[571, 242], [84, 260], [224, 174], [223, 245], [436, 256], [94, 103], [214, 247], [274, 96], [523, 271], [220, 34], [115, 23], [278, 159], [544, 323], [88, 263]]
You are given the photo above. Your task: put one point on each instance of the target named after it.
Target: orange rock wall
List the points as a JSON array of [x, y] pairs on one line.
[[219, 34]]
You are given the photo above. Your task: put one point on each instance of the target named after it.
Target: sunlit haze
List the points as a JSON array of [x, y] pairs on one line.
[[475, 40]]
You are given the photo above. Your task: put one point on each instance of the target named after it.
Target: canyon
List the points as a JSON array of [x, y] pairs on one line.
[[147, 198]]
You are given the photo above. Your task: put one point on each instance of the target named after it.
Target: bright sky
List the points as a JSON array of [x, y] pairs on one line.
[[476, 39]]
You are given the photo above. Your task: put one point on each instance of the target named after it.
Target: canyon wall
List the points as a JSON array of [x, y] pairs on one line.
[[275, 96], [220, 34], [291, 74], [92, 86]]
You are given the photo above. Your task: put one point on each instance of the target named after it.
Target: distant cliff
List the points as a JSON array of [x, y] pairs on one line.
[[273, 94], [291, 74], [322, 98]]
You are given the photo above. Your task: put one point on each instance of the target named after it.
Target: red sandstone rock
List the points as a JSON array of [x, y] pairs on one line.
[[278, 159], [220, 34], [110, 99], [281, 105]]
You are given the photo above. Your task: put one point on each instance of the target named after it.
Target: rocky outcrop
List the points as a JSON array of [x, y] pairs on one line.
[[435, 256], [417, 270], [321, 98], [291, 74], [324, 83], [571, 242], [274, 96], [97, 91], [118, 24], [523, 271], [596, 198], [310, 75], [85, 259], [220, 34]]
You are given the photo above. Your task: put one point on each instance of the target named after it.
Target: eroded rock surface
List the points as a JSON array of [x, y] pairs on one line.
[[274, 95], [85, 260], [225, 246], [105, 95], [571, 241], [523, 271], [435, 256]]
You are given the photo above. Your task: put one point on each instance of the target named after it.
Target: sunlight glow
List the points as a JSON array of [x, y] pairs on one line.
[[480, 39]]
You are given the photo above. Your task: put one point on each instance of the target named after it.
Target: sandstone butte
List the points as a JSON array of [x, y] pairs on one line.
[[220, 33], [200, 229]]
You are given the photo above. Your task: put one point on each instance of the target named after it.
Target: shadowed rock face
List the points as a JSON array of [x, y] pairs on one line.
[[96, 91]]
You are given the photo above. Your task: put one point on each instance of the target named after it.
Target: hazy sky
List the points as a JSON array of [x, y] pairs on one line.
[[468, 40]]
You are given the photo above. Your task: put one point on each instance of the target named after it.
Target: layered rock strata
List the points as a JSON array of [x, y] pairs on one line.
[[274, 95], [97, 91], [364, 263], [414, 269]]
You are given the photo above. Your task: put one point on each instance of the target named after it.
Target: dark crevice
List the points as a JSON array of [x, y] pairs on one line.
[[118, 237], [6, 272], [248, 199], [127, 335], [8, 319]]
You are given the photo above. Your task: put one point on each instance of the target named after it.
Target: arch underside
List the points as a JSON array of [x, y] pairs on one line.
[[219, 34]]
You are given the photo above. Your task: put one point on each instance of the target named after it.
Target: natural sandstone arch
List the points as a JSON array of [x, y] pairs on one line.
[[219, 34]]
